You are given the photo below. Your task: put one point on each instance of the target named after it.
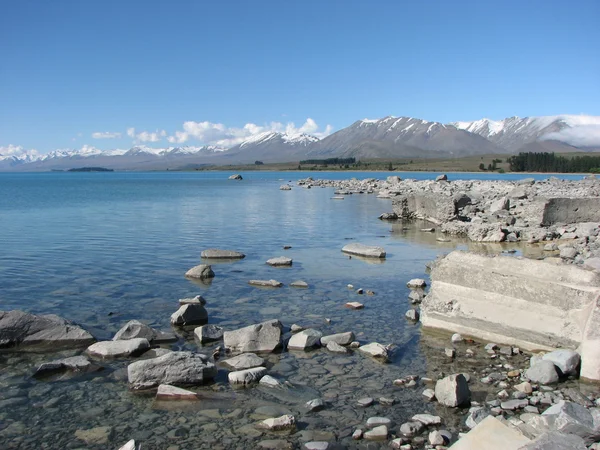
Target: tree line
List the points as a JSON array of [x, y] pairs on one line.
[[549, 162], [329, 161]]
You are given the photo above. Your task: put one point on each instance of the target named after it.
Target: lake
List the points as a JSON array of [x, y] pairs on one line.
[[104, 248]]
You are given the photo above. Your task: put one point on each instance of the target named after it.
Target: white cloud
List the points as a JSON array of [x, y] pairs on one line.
[[147, 136], [209, 133], [579, 136], [18, 151], [105, 135]]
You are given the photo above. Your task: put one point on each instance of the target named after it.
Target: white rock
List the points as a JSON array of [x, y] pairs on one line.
[[285, 422], [243, 361], [247, 376], [566, 360], [375, 350], [427, 419], [339, 338], [168, 392], [416, 283], [456, 338], [269, 381], [453, 391], [280, 261], [364, 250], [373, 422], [305, 339], [376, 434], [116, 349]]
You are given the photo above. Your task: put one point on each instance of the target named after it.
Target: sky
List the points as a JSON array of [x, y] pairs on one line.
[[113, 74]]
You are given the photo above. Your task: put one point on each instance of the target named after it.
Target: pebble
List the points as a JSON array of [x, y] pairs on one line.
[[364, 402]]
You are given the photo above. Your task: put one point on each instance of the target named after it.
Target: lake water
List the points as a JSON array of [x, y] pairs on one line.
[[104, 248]]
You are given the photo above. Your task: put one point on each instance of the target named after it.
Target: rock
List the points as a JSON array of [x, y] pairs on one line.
[[285, 187], [412, 314], [265, 283], [339, 338], [518, 193], [410, 429], [373, 422], [269, 381], [247, 376], [95, 436], [175, 368], [305, 340], [453, 391], [379, 433], [168, 392], [524, 387], [435, 438], [295, 328], [299, 284], [24, 330], [429, 394], [427, 419], [572, 418], [129, 445], [236, 176], [365, 402], [79, 364], [208, 333], [200, 272], [491, 434], [357, 434], [117, 349], [243, 361], [388, 216], [476, 415], [511, 405], [556, 441], [566, 360], [415, 296], [197, 300], [190, 314], [336, 348], [500, 205], [386, 401], [262, 337], [442, 177], [136, 329], [544, 372], [354, 305], [551, 247], [364, 250], [456, 338], [285, 422], [315, 405], [416, 283], [215, 253], [450, 352], [316, 445], [279, 261], [375, 350]]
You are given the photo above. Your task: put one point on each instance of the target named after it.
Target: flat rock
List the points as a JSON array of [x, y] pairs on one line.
[[262, 337], [339, 338], [375, 350], [73, 364], [491, 434], [379, 433], [117, 349], [354, 305], [373, 422], [511, 405], [190, 314], [215, 253], [275, 444], [299, 284], [416, 283], [364, 250], [265, 283], [285, 422], [243, 361], [305, 340], [24, 330], [427, 419], [174, 368], [279, 261], [334, 347], [168, 392], [453, 391], [136, 329], [200, 272], [269, 381], [208, 333], [247, 376]]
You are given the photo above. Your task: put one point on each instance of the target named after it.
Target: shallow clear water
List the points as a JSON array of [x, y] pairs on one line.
[[104, 248]]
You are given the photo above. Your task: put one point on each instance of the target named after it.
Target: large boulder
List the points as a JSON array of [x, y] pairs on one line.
[[543, 372], [553, 440], [24, 330], [208, 333], [215, 253], [453, 391], [262, 337], [176, 368], [566, 360], [305, 340], [190, 314], [572, 418], [200, 272], [364, 250], [136, 329], [119, 349]]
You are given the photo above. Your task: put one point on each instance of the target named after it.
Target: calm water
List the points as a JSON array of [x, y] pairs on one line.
[[104, 248]]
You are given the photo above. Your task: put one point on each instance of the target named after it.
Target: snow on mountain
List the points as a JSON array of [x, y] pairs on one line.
[[16, 154]]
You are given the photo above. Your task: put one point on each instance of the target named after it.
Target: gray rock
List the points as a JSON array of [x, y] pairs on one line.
[[544, 372], [247, 376], [566, 360], [299, 284], [388, 216], [262, 337], [476, 415], [364, 402], [410, 429], [416, 283], [339, 338], [168, 392], [336, 348], [373, 422], [315, 405], [190, 314], [572, 418], [265, 283], [453, 391], [279, 261], [511, 405], [78, 364], [364, 250], [200, 272], [375, 350], [379, 433], [215, 253], [295, 328], [175, 368], [285, 422], [427, 419], [435, 438], [117, 349], [208, 333], [236, 176], [24, 330], [305, 340], [197, 300], [269, 381], [568, 253], [442, 177], [136, 329], [553, 440], [499, 205], [415, 296], [412, 314], [243, 361]]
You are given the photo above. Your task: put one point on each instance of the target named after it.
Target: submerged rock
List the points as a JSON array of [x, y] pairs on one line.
[[116, 349], [24, 330], [215, 253], [364, 250], [168, 392], [209, 333], [136, 329], [200, 272], [262, 337], [73, 364], [243, 361], [339, 338], [175, 368], [265, 283]]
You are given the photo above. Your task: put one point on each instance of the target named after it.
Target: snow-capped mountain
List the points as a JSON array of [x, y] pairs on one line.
[[515, 133], [271, 146]]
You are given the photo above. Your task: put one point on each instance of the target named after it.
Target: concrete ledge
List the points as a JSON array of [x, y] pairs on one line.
[[437, 209], [571, 210]]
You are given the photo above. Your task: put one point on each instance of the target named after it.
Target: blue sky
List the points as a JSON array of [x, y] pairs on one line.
[[73, 68]]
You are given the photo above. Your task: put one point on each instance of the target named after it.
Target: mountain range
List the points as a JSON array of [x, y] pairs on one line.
[[389, 137]]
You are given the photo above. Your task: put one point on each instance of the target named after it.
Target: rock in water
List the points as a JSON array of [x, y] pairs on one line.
[[118, 349], [566, 360], [73, 364], [285, 422], [442, 177], [375, 350], [416, 283], [305, 339], [178, 368], [265, 283], [215, 253], [168, 392], [200, 272], [189, 314], [136, 329], [543, 372], [299, 284], [334, 347], [243, 361], [364, 250], [339, 338], [247, 376], [208, 333], [453, 391], [21, 329], [262, 337], [236, 176], [197, 300], [269, 381], [279, 261]]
